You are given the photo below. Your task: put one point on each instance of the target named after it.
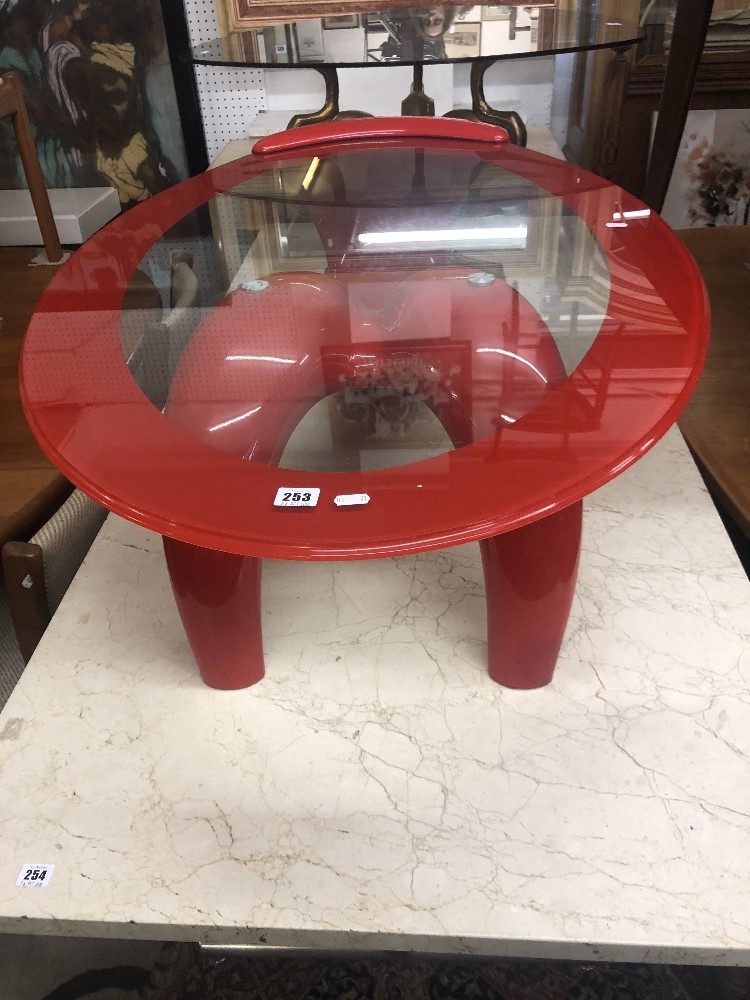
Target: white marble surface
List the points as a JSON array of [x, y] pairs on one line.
[[376, 790]]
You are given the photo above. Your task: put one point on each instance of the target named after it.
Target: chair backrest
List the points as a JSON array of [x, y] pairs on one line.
[[11, 660], [13, 106], [183, 317], [184, 290], [154, 358], [37, 573], [691, 19]]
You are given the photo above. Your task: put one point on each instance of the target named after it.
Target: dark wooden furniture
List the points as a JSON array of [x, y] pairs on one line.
[[722, 81], [46, 527], [30, 487], [37, 574], [688, 38], [716, 421], [613, 99], [13, 106]]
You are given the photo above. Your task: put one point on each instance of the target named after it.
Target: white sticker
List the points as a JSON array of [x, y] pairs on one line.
[[280, 50], [296, 496], [34, 876], [351, 499]]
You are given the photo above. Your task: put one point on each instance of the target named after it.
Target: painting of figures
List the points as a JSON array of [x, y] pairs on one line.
[[99, 92]]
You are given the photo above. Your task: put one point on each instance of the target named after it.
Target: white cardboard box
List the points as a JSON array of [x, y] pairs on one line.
[[79, 213]]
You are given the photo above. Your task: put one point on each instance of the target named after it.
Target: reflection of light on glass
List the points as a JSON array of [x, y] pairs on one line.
[[308, 178], [549, 506], [619, 217], [621, 466], [507, 419], [235, 420], [587, 317], [511, 233], [261, 357], [639, 213], [510, 354]]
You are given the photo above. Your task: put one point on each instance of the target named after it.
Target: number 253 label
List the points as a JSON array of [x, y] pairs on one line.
[[296, 496]]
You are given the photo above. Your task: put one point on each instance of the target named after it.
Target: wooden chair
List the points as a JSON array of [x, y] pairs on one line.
[[688, 39], [154, 359], [37, 573], [13, 106], [11, 660]]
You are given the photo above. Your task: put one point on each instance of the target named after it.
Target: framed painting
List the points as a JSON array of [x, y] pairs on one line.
[[238, 15], [100, 93], [462, 40], [495, 13], [492, 12], [341, 21], [398, 397]]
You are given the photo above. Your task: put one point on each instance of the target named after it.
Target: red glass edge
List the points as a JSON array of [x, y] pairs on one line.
[[370, 129], [464, 518]]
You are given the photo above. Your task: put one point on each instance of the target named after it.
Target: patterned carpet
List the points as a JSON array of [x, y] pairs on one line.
[[184, 973]]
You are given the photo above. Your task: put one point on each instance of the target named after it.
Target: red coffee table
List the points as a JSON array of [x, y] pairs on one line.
[[476, 335]]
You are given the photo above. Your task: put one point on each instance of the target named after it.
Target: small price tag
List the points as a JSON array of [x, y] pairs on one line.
[[351, 499], [296, 496], [34, 875]]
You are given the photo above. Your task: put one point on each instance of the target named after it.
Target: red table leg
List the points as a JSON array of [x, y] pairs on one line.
[[218, 597], [530, 576]]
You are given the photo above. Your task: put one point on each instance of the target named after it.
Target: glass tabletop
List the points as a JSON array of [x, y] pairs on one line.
[[453, 336], [412, 35], [400, 287]]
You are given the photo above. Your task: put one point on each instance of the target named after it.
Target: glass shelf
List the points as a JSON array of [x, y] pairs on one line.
[[412, 36]]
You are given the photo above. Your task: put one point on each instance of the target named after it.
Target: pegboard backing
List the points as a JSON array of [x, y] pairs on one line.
[[229, 97]]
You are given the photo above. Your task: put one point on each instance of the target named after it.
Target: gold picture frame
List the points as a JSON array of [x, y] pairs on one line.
[[241, 15], [335, 22], [462, 40]]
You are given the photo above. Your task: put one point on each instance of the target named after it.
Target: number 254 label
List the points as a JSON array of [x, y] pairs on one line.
[[296, 496], [34, 875]]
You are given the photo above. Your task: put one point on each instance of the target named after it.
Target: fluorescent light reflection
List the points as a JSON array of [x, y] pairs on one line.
[[234, 420], [516, 357], [509, 233], [587, 317], [640, 213], [619, 217], [261, 357], [307, 179]]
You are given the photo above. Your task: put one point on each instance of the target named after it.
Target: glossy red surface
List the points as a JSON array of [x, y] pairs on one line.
[[530, 577], [218, 597], [336, 335], [92, 420], [363, 129]]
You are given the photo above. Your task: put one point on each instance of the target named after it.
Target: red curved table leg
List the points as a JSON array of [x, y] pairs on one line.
[[530, 576], [218, 597]]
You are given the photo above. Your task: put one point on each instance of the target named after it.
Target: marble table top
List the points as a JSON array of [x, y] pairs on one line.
[[377, 790]]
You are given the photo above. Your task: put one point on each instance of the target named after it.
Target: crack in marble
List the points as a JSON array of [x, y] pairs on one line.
[[377, 778]]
